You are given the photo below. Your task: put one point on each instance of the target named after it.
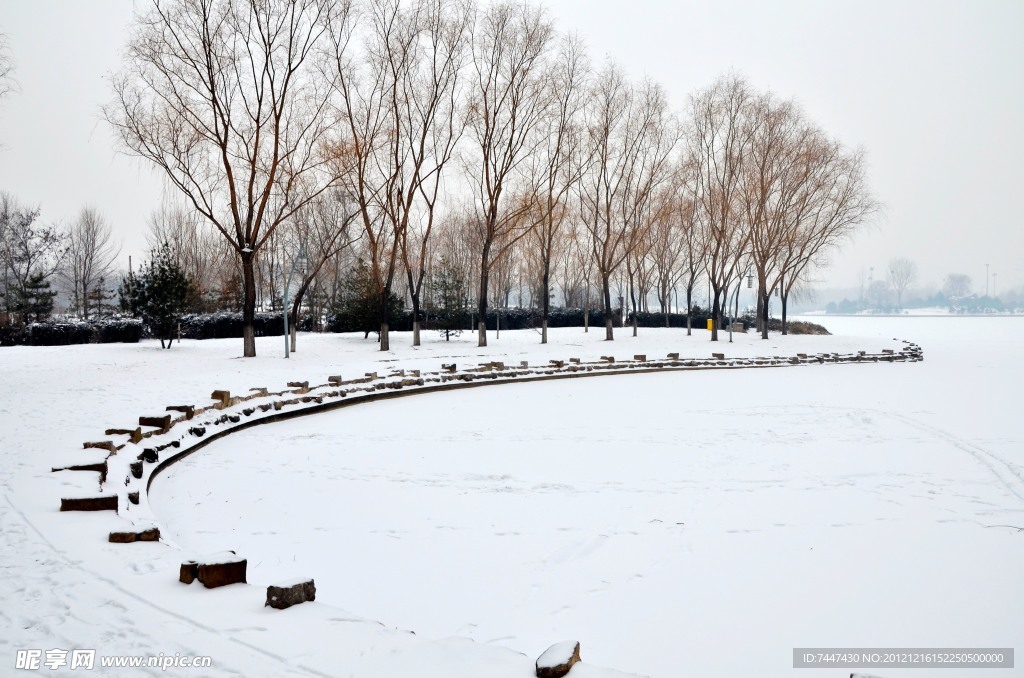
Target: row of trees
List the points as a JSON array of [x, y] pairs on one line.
[[440, 131], [895, 290], [37, 262]]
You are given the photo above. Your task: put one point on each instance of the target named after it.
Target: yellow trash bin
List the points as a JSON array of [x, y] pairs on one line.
[[711, 324]]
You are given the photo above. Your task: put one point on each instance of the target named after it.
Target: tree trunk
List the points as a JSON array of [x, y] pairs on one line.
[[482, 299], [293, 330], [586, 317], [415, 294], [763, 314], [249, 307], [785, 300], [607, 289], [545, 304], [385, 340], [689, 308], [716, 311], [415, 320]]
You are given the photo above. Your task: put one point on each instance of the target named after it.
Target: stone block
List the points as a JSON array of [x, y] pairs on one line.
[[286, 594], [162, 423], [105, 503], [107, 445], [151, 534], [214, 572]]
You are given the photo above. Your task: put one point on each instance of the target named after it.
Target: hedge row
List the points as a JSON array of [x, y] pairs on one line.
[[68, 332], [228, 325], [511, 319]]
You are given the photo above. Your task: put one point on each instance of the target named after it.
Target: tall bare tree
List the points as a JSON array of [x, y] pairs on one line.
[[7, 83], [781, 164], [631, 136], [668, 245], [506, 104], [398, 105], [318, 233], [956, 285], [902, 273], [435, 125], [559, 162], [695, 238], [718, 145], [828, 212], [224, 97], [91, 252]]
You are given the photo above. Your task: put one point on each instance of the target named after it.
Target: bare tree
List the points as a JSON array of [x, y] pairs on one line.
[[695, 240], [435, 126], [223, 97], [319, 232], [719, 142], [559, 162], [631, 136], [668, 246], [398, 109], [90, 257], [956, 285], [830, 209], [30, 253], [772, 179], [7, 83], [506, 103], [902, 272]]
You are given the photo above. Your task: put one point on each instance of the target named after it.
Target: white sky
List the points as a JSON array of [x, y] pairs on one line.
[[933, 90]]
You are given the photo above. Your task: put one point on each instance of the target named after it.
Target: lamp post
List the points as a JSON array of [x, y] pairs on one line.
[[298, 264]]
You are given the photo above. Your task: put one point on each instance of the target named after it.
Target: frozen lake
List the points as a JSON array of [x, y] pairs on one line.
[[699, 523]]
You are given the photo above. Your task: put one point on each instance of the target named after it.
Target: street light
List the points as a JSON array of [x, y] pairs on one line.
[[299, 265]]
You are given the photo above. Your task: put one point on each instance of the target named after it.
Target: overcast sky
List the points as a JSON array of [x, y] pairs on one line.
[[933, 90]]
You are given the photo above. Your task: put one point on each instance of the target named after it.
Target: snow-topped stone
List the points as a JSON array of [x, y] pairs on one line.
[[292, 592], [557, 660], [212, 571]]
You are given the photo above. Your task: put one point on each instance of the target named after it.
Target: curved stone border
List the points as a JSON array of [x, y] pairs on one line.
[[131, 498], [266, 407]]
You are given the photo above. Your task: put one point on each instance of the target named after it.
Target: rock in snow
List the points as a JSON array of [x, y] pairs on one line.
[[558, 659]]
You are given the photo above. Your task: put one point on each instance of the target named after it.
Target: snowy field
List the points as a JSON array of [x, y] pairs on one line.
[[685, 524]]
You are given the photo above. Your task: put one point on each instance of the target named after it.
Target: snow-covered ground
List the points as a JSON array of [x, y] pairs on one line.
[[684, 524]]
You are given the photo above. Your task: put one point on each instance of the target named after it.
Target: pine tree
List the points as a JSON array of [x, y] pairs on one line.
[[159, 294], [360, 305], [35, 299], [449, 299]]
